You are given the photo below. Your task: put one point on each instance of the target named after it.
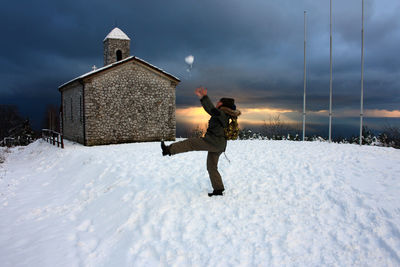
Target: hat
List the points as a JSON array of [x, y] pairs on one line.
[[228, 102]]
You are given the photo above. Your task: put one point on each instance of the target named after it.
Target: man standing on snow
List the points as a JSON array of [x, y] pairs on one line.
[[214, 140]]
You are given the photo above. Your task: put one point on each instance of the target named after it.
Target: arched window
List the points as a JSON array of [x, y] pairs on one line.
[[119, 55]]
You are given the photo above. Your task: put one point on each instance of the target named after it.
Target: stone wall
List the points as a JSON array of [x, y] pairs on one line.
[[111, 46], [129, 103], [72, 98]]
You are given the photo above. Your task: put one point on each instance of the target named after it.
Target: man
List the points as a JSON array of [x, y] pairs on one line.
[[214, 140]]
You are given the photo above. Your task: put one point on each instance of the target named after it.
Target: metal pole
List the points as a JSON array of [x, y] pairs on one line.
[[330, 72], [362, 73], [304, 97]]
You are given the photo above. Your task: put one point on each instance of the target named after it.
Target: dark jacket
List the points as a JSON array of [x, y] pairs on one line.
[[219, 120]]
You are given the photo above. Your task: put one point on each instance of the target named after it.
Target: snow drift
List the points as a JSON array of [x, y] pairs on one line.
[[286, 204]]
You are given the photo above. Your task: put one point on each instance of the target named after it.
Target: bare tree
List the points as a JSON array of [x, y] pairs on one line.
[[9, 118], [275, 128], [51, 118], [197, 131]]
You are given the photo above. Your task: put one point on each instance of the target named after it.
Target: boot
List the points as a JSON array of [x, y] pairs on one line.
[[216, 193], [165, 149]]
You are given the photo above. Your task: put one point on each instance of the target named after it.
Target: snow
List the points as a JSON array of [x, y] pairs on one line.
[[117, 33], [286, 204], [189, 59]]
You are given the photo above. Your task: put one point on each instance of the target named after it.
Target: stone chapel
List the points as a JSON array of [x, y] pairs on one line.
[[126, 100]]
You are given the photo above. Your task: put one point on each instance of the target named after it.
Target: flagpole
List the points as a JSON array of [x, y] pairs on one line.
[[362, 73], [330, 72], [304, 97]]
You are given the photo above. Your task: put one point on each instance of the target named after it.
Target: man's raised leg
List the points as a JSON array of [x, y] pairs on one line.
[[190, 144]]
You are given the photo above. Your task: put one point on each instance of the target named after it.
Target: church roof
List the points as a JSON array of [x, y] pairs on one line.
[[118, 63], [116, 33]]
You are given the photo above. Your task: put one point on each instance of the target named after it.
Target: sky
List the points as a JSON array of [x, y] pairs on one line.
[[250, 50]]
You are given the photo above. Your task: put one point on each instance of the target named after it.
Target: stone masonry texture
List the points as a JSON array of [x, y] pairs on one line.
[[129, 103], [111, 46], [72, 98]]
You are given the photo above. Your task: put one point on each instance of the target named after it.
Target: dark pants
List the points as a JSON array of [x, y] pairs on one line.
[[198, 144]]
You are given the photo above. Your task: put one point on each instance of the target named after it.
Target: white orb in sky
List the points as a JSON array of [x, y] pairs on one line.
[[189, 59]]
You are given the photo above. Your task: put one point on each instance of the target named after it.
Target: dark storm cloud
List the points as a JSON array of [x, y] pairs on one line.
[[250, 49]]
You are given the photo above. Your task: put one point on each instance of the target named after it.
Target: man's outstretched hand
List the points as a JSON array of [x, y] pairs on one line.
[[200, 92]]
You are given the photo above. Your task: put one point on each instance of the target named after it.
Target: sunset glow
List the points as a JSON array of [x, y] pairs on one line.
[[379, 113], [257, 116]]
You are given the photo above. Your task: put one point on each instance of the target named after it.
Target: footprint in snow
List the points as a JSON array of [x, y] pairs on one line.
[[84, 239], [127, 197], [85, 226], [87, 245]]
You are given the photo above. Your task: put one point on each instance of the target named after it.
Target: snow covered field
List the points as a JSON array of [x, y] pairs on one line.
[[286, 204]]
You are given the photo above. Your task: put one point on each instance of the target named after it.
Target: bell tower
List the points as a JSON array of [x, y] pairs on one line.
[[116, 46]]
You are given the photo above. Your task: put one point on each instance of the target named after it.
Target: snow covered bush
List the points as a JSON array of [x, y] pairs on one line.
[[390, 137], [247, 134]]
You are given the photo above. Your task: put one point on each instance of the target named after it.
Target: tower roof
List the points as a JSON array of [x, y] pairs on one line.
[[116, 33]]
